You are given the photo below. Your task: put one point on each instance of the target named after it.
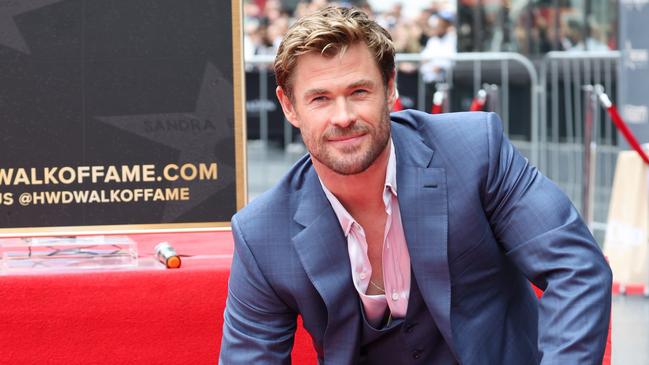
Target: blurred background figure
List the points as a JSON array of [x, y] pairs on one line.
[[439, 47]]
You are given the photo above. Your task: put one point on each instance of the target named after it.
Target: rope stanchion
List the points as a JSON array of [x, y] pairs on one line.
[[479, 101], [397, 105], [619, 122], [493, 98], [438, 102]]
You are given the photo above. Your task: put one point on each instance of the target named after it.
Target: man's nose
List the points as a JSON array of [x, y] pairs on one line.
[[343, 114]]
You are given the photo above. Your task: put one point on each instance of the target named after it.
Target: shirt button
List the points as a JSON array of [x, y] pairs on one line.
[[362, 276], [395, 296], [416, 354]]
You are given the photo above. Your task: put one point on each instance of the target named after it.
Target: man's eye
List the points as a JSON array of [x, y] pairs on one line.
[[360, 92], [319, 99]]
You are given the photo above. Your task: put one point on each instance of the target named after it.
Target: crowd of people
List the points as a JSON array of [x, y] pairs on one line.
[[444, 27], [430, 32]]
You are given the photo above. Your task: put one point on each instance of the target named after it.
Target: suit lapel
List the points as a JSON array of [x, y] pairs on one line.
[[322, 248], [424, 214]]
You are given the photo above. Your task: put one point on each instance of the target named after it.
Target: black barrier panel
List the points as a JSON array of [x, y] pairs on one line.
[[119, 114], [264, 106], [407, 83], [255, 104]]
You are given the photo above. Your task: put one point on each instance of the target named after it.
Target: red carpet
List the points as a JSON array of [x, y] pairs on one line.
[[144, 316]]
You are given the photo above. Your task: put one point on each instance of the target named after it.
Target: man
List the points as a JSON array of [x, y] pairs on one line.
[[405, 238]]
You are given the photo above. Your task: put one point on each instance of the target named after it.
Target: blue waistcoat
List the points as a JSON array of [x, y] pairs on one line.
[[414, 339]]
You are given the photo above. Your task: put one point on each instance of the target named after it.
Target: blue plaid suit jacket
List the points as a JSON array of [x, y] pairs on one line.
[[480, 223]]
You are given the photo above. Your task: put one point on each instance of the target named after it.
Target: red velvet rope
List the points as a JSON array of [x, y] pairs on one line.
[[628, 135]]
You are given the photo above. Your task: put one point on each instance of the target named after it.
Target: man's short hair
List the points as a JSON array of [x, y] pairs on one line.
[[329, 32]]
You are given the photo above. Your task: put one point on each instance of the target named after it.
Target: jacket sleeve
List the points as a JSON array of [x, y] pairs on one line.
[[543, 234], [258, 327]]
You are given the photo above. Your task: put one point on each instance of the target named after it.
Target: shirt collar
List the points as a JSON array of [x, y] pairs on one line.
[[391, 173], [344, 218]]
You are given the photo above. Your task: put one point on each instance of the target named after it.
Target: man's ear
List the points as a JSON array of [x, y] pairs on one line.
[[287, 107], [392, 93]]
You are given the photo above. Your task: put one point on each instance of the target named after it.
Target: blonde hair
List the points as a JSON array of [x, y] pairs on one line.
[[330, 31]]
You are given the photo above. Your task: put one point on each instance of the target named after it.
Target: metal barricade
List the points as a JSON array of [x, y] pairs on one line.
[[553, 131], [471, 65], [263, 64], [563, 100], [500, 78]]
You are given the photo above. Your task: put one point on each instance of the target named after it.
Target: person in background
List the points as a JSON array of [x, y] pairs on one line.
[[406, 35], [439, 48], [407, 237]]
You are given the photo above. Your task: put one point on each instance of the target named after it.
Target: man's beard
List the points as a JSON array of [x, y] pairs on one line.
[[353, 162]]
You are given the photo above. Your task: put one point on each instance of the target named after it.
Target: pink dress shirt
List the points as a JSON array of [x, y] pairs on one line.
[[396, 259]]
